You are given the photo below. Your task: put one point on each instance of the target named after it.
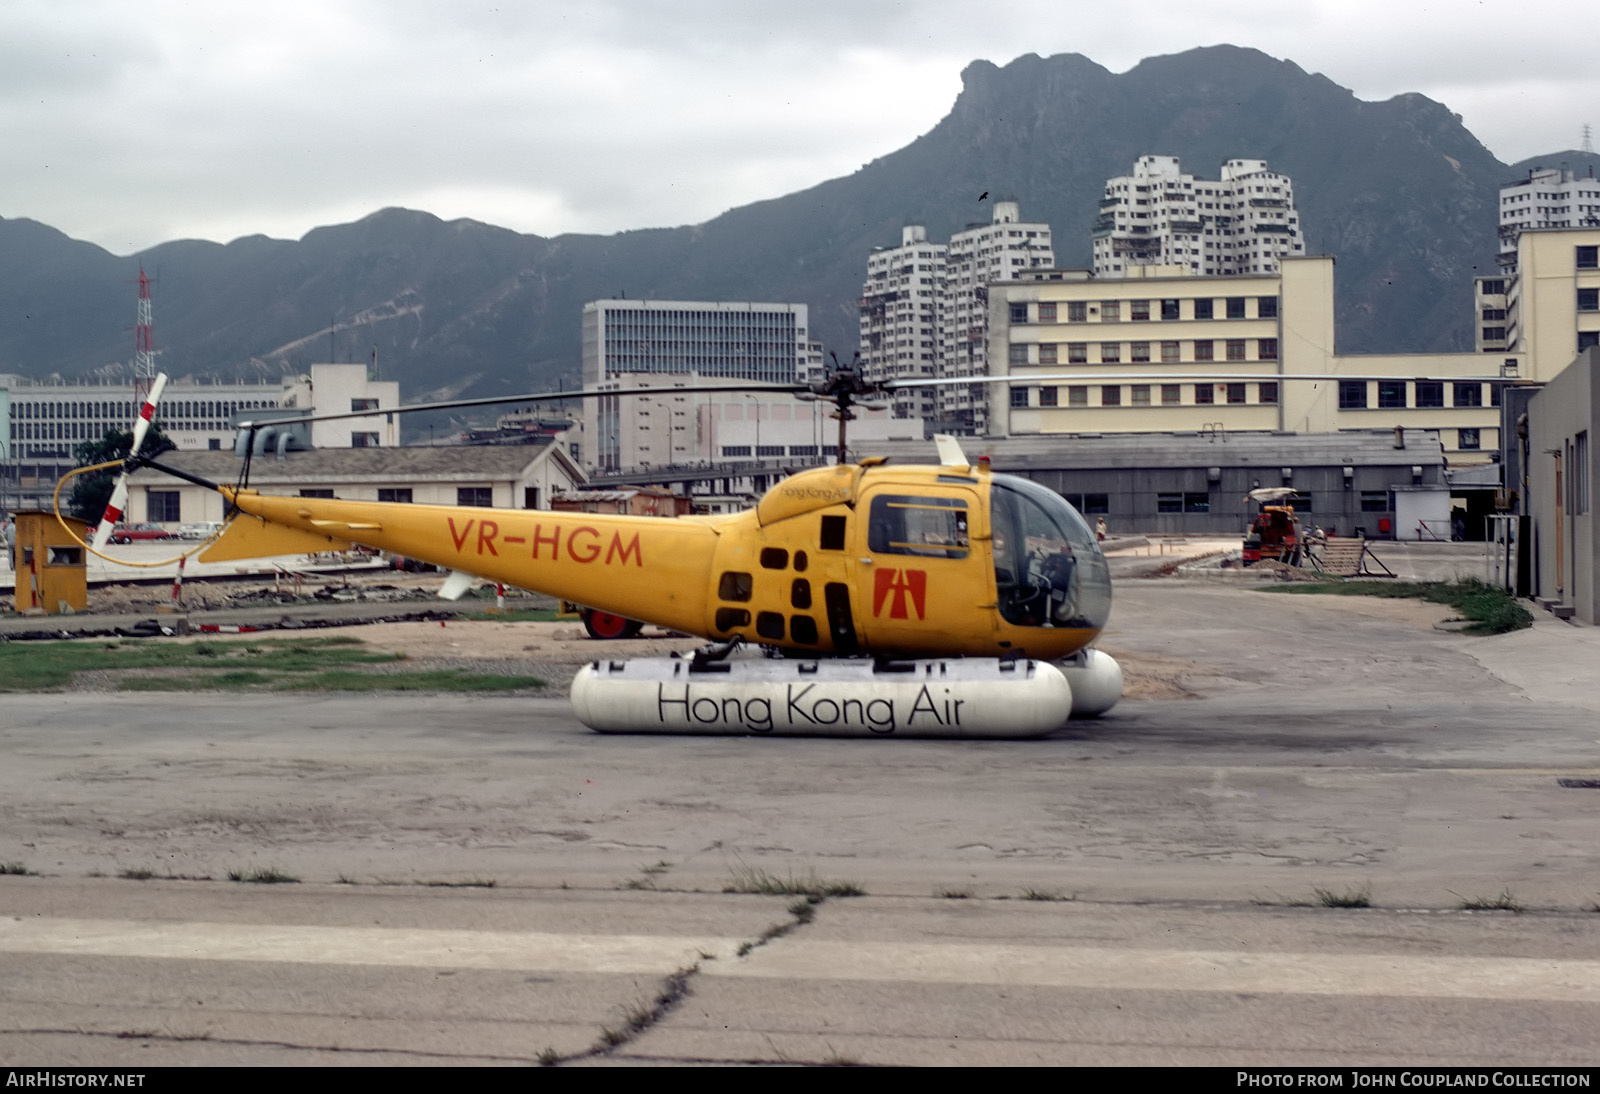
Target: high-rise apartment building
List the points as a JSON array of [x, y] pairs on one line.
[[1550, 197], [900, 308], [925, 311], [980, 255], [1243, 223]]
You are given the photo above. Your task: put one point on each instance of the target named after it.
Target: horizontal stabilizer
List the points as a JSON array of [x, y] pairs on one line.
[[252, 537], [456, 585]]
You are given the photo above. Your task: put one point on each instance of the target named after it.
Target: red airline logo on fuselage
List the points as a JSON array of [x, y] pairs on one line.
[[893, 586], [581, 544]]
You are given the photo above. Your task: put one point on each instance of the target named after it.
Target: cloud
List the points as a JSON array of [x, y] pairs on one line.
[[129, 125]]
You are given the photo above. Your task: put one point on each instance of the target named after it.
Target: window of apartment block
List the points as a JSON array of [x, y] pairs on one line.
[[1468, 394], [1235, 393], [1430, 393], [1202, 349], [1139, 352], [482, 496], [1588, 258], [1047, 396], [1203, 309], [1267, 307], [1235, 307], [1466, 438], [1077, 353], [1138, 309], [1111, 395], [316, 492], [1139, 394], [1110, 352], [1019, 397], [1498, 315], [1169, 503], [1047, 313], [1017, 354], [1587, 338], [1019, 313], [1374, 501], [1047, 353], [363, 440], [1589, 299], [1236, 349], [1352, 394], [1077, 311], [1204, 394], [1170, 352], [363, 404], [1391, 394], [1078, 395], [1110, 311], [1196, 503], [1494, 334], [1267, 350], [1494, 287], [1171, 394], [1267, 392], [1494, 394]]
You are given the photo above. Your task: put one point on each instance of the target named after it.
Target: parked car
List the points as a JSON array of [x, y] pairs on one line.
[[200, 529], [132, 533]]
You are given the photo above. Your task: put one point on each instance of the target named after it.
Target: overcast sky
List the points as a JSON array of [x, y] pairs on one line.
[[136, 122]]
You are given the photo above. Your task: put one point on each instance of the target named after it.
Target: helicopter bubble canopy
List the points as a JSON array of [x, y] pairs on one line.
[[1048, 565]]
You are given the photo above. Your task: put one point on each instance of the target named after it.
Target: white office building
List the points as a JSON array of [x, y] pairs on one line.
[[45, 420], [1245, 222], [1550, 197]]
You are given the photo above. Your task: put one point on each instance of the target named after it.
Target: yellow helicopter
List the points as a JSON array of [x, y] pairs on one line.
[[909, 600]]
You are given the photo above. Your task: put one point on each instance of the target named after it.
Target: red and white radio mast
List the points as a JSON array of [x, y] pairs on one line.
[[144, 362]]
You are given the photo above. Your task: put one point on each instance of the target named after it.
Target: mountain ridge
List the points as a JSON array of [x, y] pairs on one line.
[[1398, 190]]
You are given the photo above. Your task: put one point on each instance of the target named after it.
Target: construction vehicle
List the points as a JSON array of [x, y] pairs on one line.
[[1273, 533]]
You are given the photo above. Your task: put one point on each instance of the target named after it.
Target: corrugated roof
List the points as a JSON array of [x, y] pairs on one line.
[[411, 463]]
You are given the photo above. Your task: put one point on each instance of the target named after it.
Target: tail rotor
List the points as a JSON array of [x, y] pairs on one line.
[[119, 493]]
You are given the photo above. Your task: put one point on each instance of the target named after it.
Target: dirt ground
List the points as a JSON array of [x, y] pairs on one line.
[[554, 650]]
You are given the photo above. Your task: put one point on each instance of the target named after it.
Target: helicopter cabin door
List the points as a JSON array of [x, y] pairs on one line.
[[918, 580]]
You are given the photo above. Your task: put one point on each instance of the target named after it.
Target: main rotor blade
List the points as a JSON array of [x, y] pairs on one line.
[[537, 397]]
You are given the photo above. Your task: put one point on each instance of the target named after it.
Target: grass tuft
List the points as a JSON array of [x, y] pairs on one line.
[[16, 869], [1351, 898], [1043, 894], [1503, 902], [753, 879], [262, 875], [1490, 608], [945, 892]]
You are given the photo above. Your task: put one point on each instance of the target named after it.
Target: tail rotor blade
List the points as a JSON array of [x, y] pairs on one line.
[[114, 508], [147, 412], [119, 493]]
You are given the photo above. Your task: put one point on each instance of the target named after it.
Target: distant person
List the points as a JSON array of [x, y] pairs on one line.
[[1100, 529]]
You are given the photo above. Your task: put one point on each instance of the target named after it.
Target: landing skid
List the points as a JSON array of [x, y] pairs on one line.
[[748, 695]]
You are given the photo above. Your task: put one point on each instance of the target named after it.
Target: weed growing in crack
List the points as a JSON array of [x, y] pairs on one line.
[[262, 875], [1356, 897], [1504, 902], [753, 879]]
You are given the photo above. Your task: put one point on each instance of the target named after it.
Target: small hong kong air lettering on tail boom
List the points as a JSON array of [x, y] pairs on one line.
[[893, 586], [580, 544]]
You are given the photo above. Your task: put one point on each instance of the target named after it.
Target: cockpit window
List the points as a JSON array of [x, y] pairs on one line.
[[902, 524], [1048, 569]]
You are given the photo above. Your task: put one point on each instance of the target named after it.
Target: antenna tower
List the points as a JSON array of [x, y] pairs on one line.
[[1588, 138], [144, 361]]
